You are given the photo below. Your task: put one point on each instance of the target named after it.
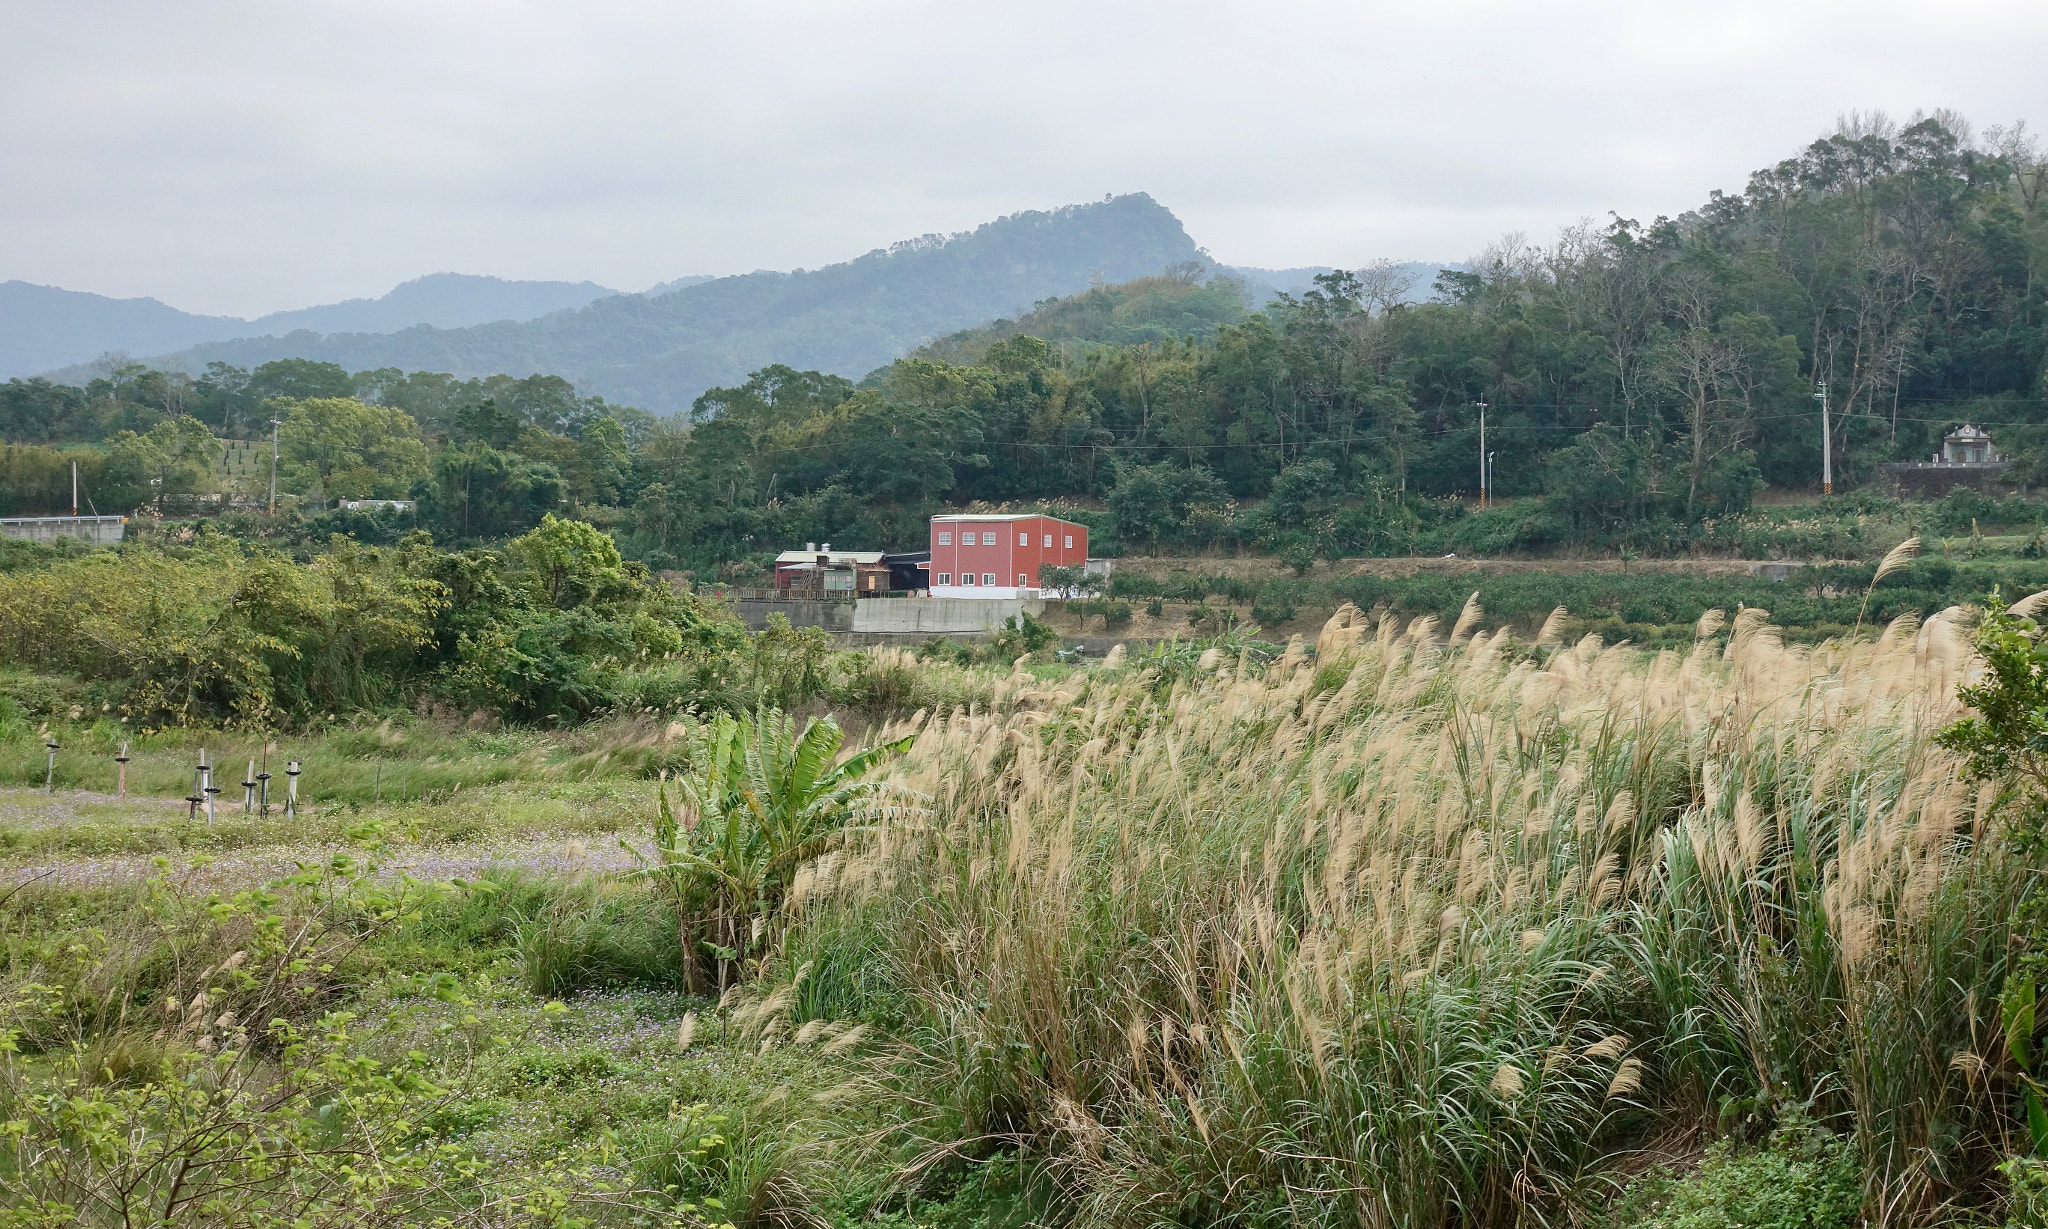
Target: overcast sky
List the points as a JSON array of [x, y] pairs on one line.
[[241, 158]]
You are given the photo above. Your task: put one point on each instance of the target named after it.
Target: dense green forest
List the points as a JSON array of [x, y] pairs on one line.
[[1642, 382]]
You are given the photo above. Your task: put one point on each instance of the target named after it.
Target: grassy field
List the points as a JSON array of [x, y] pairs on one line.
[[1652, 603], [1413, 924]]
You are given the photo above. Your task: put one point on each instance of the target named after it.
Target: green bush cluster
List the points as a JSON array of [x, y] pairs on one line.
[[544, 630], [1804, 1178]]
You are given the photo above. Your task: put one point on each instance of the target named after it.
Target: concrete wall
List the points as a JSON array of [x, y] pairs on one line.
[[99, 530], [801, 612], [878, 619], [1921, 480], [927, 616]]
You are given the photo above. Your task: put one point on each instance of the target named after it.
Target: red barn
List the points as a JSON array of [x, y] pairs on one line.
[[999, 555]]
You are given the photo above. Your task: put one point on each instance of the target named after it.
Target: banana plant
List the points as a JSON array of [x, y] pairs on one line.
[[757, 802], [2019, 1042]]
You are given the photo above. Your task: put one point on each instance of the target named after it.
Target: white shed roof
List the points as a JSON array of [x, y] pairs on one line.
[[831, 556]]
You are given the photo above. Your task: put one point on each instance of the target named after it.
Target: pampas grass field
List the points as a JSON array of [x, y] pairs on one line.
[[1419, 932], [1410, 927]]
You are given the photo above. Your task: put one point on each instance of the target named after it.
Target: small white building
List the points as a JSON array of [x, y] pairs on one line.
[[1968, 444], [831, 571]]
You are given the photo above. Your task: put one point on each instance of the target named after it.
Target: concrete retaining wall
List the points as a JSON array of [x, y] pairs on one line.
[[832, 616], [928, 616], [99, 530], [878, 620]]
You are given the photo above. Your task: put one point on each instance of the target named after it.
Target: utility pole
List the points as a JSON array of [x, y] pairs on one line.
[[74, 488], [1482, 454], [1827, 443], [274, 425]]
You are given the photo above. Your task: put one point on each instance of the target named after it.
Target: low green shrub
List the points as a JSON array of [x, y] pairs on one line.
[[1805, 1178], [593, 934]]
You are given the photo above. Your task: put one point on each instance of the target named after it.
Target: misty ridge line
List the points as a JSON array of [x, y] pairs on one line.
[[659, 348], [45, 327]]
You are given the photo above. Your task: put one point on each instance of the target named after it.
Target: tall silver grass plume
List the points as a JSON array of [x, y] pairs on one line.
[[846, 1040], [1709, 623], [2029, 606], [1627, 1078], [1552, 631], [1507, 1081], [686, 1031], [1467, 617], [1894, 559], [1897, 557]]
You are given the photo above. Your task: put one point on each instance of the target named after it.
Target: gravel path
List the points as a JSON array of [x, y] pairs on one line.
[[542, 852], [32, 811]]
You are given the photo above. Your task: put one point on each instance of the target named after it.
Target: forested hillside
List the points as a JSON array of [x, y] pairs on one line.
[[1183, 304], [1643, 382], [660, 352]]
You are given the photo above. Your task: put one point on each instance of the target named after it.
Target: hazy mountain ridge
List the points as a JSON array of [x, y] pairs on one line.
[[441, 300], [660, 352], [682, 283], [47, 327], [42, 327], [1262, 286]]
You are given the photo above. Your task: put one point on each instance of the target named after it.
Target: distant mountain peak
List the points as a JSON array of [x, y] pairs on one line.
[[659, 349], [442, 300]]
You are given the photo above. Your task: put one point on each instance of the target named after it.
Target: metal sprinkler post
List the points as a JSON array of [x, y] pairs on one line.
[[121, 782], [291, 789], [249, 789], [50, 773], [198, 794], [207, 786], [263, 783]]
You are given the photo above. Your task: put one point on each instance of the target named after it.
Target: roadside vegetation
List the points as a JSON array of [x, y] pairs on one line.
[[1418, 923]]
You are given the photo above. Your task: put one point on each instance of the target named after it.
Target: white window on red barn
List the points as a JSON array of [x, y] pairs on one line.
[[1048, 540], [1021, 582], [988, 539], [1070, 541], [945, 538], [988, 578], [945, 578], [1023, 539]]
